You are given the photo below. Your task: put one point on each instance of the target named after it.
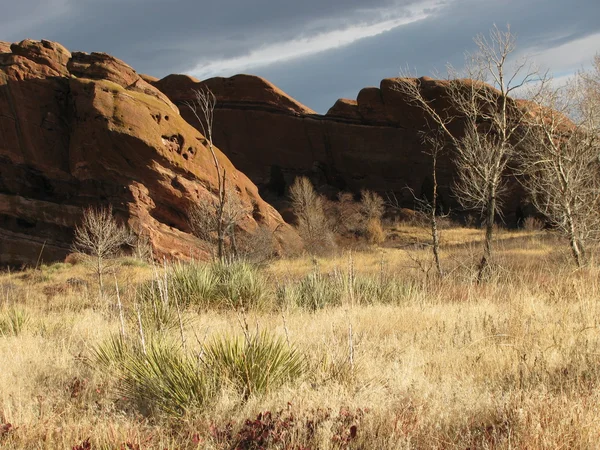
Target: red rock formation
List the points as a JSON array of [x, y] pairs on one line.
[[373, 142], [80, 129]]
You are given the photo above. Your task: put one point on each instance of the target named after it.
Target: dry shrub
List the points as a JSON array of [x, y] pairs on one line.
[[75, 258], [374, 232], [313, 226], [347, 214], [533, 224], [258, 247], [372, 205]]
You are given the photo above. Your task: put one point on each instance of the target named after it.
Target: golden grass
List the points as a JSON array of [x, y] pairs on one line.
[[510, 363]]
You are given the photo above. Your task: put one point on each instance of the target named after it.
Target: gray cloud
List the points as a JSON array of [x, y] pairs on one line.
[[159, 37], [144, 32]]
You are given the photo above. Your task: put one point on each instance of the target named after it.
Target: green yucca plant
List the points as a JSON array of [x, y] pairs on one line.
[[156, 378], [13, 322], [194, 284], [111, 353], [374, 289], [316, 291], [158, 316], [236, 284], [241, 285], [255, 363], [165, 379], [188, 284]]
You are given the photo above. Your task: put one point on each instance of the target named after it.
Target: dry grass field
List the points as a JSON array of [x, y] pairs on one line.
[[362, 350]]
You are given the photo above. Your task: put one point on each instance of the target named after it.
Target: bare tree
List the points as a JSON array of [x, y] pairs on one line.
[[214, 220], [560, 161], [312, 222], [372, 207], [492, 124], [101, 237], [435, 144], [203, 108]]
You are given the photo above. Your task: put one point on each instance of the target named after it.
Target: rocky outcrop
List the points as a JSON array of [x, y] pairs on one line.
[[85, 129], [372, 142]]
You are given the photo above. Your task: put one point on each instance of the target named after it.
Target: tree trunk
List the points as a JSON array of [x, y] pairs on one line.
[[99, 272], [576, 251], [489, 234], [575, 244], [220, 214], [434, 229]]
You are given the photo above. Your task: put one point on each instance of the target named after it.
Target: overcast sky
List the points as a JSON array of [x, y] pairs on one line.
[[315, 50]]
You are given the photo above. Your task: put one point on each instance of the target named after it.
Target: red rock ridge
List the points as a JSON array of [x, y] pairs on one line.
[[85, 129], [373, 142]]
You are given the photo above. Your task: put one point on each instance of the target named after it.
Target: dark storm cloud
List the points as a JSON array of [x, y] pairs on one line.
[[425, 47], [167, 36], [316, 50]]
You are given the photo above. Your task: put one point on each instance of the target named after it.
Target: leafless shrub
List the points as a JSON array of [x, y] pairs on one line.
[[312, 223], [374, 232], [372, 205], [142, 247], [533, 224], [215, 220], [101, 237], [258, 247]]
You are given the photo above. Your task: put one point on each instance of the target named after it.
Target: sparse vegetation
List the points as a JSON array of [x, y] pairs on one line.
[[358, 350]]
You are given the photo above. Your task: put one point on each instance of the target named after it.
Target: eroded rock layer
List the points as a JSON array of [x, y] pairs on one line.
[[373, 142], [81, 129]]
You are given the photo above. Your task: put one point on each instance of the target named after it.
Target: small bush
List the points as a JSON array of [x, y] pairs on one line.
[[533, 224], [316, 291], [13, 322], [312, 224], [238, 284], [255, 364], [162, 379], [258, 247], [130, 261]]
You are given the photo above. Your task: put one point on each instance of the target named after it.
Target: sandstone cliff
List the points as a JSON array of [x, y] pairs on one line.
[[372, 142], [82, 129]]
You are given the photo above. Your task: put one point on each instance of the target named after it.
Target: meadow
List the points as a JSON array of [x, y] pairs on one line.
[[361, 349]]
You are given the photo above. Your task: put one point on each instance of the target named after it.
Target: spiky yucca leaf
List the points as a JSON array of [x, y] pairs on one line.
[[13, 322], [111, 353], [165, 379], [241, 285], [316, 291], [255, 364]]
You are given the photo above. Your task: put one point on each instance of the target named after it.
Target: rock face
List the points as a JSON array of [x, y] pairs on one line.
[[372, 142], [85, 129]]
